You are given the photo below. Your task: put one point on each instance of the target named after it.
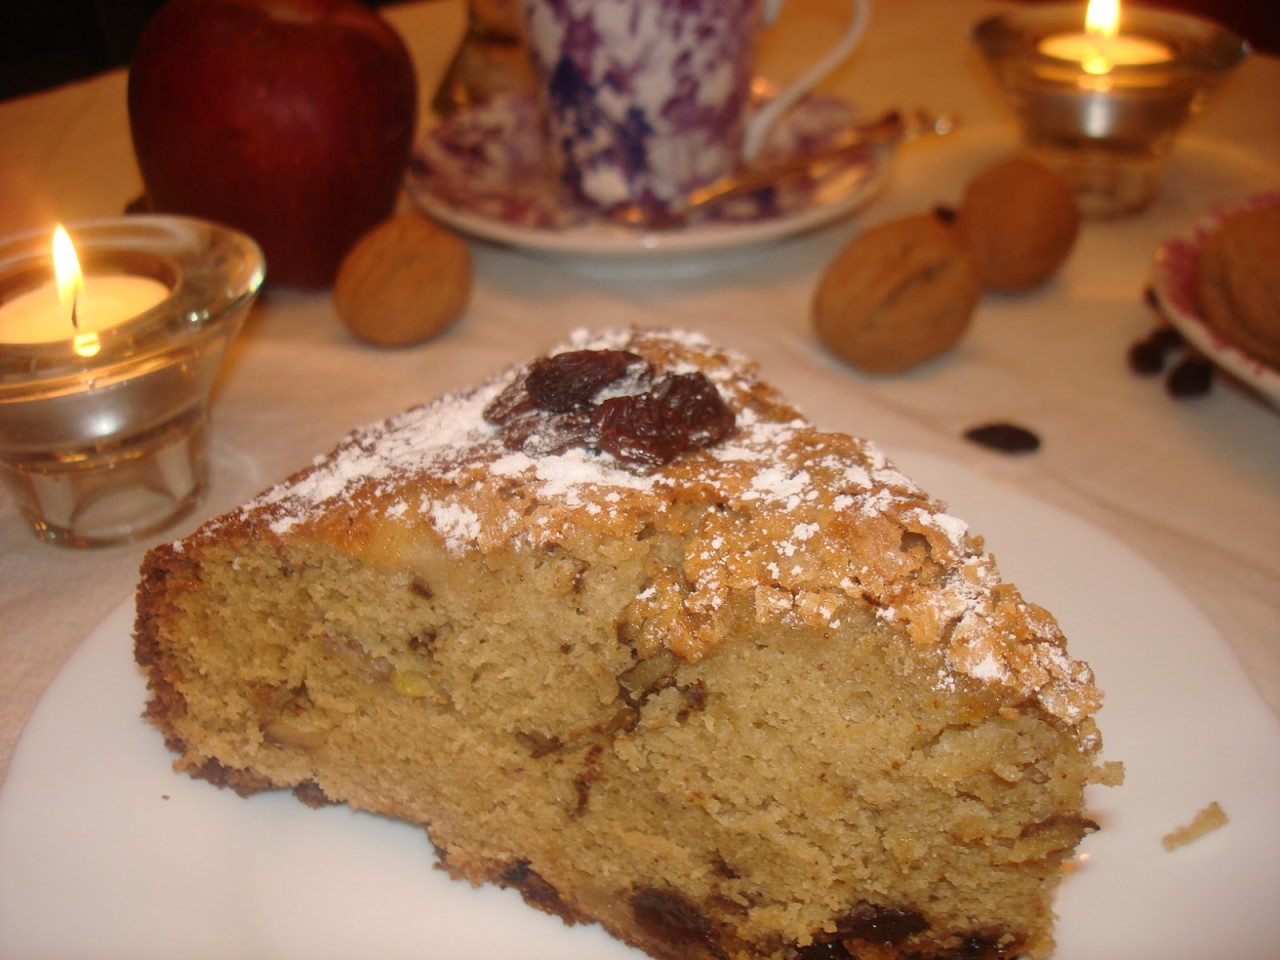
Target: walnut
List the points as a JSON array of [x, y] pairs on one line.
[[900, 294], [405, 281], [1017, 221]]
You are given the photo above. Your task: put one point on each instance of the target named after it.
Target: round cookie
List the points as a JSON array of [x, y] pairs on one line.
[[900, 294], [1238, 282]]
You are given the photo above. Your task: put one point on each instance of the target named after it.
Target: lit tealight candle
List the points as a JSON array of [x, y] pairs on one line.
[[1101, 46], [76, 307]]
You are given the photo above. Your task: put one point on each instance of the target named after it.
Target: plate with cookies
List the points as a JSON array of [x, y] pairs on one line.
[[1218, 284]]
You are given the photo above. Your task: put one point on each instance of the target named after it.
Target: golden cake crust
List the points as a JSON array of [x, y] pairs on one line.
[[809, 522]]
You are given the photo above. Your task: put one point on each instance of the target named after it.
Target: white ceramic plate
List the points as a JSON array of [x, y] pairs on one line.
[[482, 172], [1173, 280], [106, 853]]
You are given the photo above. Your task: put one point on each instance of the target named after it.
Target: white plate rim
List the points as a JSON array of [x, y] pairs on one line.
[[606, 241]]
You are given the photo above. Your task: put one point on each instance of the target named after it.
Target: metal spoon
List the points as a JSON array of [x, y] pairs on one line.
[[891, 128]]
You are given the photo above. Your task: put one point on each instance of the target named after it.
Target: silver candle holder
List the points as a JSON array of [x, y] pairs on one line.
[[1106, 128], [108, 444]]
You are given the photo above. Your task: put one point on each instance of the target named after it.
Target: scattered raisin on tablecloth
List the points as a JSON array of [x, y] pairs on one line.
[[1150, 355], [1005, 437], [1190, 377]]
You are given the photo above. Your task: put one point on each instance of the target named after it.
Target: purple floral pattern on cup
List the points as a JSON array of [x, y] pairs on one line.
[[645, 100], [489, 161]]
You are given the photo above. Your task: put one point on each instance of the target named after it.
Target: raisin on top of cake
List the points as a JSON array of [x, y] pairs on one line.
[[618, 433]]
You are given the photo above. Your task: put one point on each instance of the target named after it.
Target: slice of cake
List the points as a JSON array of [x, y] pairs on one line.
[[624, 631]]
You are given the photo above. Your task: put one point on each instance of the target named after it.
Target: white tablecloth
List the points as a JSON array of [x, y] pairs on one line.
[[1193, 486]]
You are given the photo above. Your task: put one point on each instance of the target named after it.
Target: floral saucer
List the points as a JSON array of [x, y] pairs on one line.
[[1173, 282], [483, 172]]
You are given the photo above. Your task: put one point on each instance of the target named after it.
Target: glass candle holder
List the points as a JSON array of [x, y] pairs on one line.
[[103, 436], [1106, 128]]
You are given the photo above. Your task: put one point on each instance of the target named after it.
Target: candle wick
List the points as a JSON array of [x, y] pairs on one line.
[[75, 299]]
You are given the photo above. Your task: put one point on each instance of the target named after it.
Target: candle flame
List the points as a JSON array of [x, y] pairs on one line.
[[1101, 23], [1102, 18], [66, 272]]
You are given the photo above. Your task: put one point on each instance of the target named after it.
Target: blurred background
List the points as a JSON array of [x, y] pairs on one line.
[[44, 43]]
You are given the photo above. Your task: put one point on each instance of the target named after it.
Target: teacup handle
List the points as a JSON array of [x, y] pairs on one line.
[[763, 120]]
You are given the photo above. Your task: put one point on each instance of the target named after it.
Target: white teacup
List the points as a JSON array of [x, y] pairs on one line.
[[645, 100]]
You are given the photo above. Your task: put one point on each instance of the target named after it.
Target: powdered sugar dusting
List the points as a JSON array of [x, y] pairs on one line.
[[825, 521], [577, 473], [418, 439], [457, 523]]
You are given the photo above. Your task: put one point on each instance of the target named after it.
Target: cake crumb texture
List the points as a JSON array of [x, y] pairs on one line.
[[1207, 820], [767, 699]]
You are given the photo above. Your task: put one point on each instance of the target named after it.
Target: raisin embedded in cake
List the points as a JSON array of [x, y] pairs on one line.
[[629, 634]]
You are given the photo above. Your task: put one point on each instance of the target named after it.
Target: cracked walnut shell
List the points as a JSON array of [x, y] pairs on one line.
[[898, 295]]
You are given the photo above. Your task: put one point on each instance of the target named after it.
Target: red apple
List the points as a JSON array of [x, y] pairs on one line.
[[291, 120]]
